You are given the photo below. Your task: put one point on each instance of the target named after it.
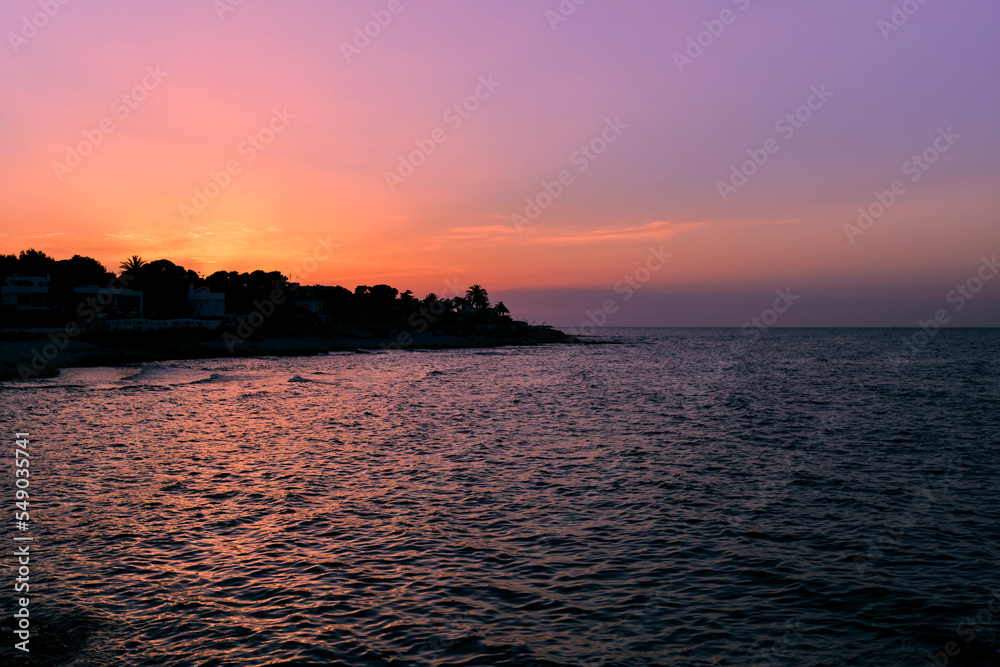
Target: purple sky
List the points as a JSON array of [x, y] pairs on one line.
[[334, 172]]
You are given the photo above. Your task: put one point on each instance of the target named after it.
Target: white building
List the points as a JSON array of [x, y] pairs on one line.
[[206, 303], [308, 298], [26, 293]]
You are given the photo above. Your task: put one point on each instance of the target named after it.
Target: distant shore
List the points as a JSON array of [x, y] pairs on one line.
[[26, 356]]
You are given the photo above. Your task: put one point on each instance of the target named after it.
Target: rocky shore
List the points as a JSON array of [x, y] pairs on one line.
[[24, 356]]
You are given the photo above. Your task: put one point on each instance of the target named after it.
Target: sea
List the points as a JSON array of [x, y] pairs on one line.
[[807, 497]]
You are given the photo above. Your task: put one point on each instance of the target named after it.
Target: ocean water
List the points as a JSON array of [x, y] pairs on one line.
[[677, 497]]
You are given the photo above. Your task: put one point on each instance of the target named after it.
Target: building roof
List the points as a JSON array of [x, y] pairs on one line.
[[203, 293]]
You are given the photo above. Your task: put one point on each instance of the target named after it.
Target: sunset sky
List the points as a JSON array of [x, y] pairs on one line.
[[185, 84]]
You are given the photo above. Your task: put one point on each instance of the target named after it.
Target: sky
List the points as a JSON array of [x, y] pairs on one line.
[[630, 163]]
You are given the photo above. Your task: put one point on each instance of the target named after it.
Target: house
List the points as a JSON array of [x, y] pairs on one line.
[[26, 293], [205, 303], [308, 298], [122, 301]]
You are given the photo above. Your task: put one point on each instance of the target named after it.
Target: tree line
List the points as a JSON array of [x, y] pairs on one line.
[[165, 286]]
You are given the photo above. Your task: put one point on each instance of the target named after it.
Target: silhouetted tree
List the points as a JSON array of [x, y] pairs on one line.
[[80, 271], [243, 289], [8, 266], [381, 303], [132, 264], [478, 297], [339, 304], [165, 287], [76, 271], [35, 263], [377, 309]]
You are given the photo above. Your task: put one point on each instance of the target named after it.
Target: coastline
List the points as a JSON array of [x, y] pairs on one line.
[[28, 353]]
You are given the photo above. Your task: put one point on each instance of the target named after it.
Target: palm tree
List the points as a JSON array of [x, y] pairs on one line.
[[477, 296], [459, 304], [500, 309], [132, 264]]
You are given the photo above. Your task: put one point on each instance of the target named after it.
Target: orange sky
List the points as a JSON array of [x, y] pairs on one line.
[[345, 124]]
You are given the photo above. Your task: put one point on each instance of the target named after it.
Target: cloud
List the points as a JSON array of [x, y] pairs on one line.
[[479, 232], [659, 230], [45, 236]]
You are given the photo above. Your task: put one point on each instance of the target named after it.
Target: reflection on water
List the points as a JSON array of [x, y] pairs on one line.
[[804, 503]]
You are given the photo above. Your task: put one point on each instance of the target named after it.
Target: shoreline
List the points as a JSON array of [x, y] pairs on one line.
[[25, 359]]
